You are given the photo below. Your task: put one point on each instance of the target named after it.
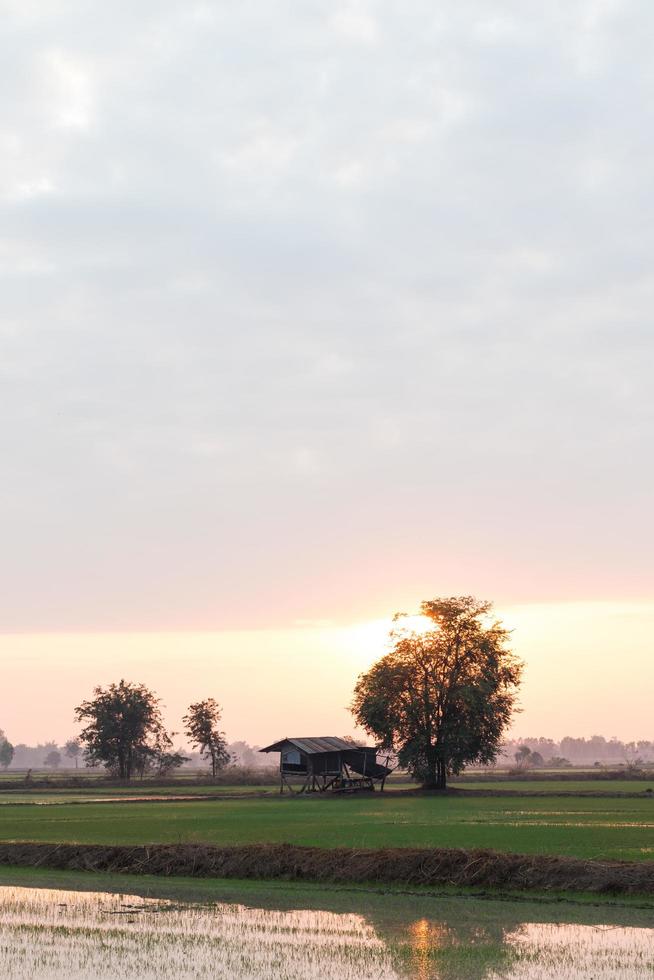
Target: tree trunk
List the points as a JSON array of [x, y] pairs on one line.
[[436, 774], [432, 771]]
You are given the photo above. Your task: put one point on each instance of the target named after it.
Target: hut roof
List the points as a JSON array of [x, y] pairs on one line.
[[312, 746]]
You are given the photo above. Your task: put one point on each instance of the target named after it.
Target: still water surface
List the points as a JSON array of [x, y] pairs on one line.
[[48, 934]]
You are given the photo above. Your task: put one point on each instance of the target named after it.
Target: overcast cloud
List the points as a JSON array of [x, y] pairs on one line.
[[312, 309]]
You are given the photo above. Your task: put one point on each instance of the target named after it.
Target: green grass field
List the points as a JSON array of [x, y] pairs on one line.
[[589, 828]]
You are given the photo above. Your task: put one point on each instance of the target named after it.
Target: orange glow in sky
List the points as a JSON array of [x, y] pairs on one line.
[[588, 671]]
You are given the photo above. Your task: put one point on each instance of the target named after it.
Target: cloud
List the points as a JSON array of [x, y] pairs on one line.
[[359, 289], [355, 22], [69, 88]]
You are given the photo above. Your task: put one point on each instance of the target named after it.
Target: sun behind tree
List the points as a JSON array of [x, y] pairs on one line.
[[443, 696]]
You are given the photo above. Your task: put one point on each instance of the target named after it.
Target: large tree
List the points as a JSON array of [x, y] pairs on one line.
[[443, 696], [202, 728], [123, 725]]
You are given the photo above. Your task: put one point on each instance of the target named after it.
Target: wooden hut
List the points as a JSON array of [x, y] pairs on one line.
[[328, 763]]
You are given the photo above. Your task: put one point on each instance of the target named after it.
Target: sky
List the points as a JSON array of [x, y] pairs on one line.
[[309, 312], [588, 671]]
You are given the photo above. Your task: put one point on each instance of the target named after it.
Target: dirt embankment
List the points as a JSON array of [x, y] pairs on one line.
[[404, 866]]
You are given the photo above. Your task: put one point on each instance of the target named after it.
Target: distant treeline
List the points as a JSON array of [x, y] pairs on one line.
[[575, 751], [579, 751], [50, 755]]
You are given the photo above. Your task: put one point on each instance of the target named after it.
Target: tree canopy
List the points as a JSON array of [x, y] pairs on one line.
[[441, 697], [124, 730], [202, 728]]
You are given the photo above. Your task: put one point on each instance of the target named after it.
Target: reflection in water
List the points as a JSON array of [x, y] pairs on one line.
[[577, 952], [425, 938], [530, 951], [66, 935], [56, 935]]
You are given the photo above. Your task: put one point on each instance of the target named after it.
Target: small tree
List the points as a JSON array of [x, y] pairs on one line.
[[442, 697], [6, 753], [158, 758], [52, 759], [72, 749], [167, 761], [201, 727], [523, 757], [123, 727]]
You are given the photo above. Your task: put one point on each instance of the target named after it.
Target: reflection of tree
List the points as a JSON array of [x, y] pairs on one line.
[[470, 939], [438, 949], [456, 957]]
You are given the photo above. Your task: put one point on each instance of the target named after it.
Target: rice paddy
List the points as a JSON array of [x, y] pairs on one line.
[[585, 827], [63, 934], [128, 927]]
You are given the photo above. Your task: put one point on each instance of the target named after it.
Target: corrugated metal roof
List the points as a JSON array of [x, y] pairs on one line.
[[312, 746]]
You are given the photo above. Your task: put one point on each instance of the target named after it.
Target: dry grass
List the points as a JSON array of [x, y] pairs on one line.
[[417, 866]]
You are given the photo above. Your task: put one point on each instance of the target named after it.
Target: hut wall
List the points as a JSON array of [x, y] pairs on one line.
[[293, 761], [326, 762]]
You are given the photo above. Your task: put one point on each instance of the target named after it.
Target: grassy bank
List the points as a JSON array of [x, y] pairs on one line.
[[544, 905], [96, 788], [589, 828], [409, 867]]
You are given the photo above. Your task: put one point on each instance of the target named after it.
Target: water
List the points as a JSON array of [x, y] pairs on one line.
[[48, 934], [62, 935]]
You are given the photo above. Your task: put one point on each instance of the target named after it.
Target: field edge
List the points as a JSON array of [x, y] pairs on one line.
[[413, 867]]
